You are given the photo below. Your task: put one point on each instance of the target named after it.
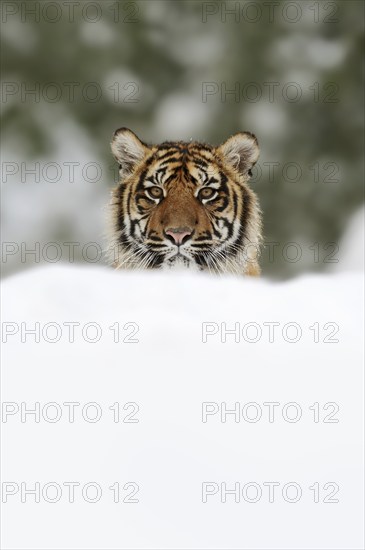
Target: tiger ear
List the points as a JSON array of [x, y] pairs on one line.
[[128, 150], [241, 151]]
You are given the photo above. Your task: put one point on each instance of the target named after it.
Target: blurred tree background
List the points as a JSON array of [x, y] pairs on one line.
[[290, 72]]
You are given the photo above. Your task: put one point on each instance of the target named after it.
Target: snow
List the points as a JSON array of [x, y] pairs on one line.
[[169, 373]]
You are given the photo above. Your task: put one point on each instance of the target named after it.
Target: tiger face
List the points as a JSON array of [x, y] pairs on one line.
[[185, 204]]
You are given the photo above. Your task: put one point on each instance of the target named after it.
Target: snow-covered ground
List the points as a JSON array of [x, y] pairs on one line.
[[292, 371]]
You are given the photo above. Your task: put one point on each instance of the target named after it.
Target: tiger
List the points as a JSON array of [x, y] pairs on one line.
[[185, 205]]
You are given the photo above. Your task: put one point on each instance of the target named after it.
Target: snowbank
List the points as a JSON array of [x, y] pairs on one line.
[[171, 363]]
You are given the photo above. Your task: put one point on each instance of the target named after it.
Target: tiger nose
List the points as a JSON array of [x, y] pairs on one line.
[[178, 233]]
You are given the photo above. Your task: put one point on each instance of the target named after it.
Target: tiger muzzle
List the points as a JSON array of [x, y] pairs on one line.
[[179, 217]]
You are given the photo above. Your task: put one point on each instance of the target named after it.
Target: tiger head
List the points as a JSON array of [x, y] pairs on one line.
[[185, 204]]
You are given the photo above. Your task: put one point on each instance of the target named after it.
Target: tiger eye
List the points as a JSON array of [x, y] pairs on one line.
[[207, 193], [155, 192]]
